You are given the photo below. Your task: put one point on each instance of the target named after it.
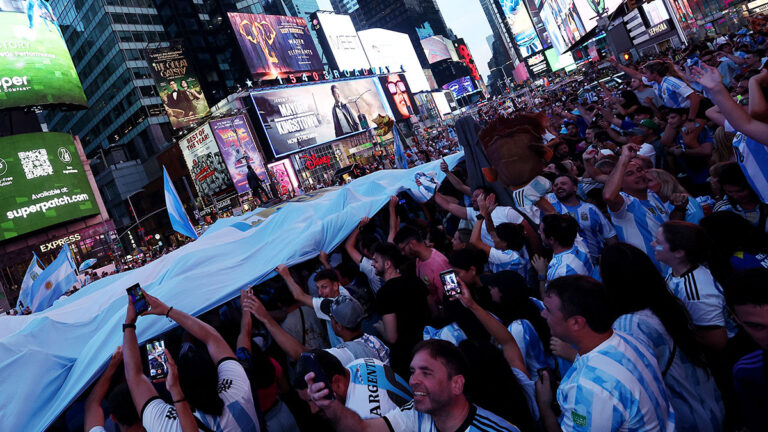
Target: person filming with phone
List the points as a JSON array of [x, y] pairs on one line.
[[212, 385]]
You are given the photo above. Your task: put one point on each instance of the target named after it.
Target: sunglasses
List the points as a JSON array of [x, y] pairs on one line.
[[396, 86]]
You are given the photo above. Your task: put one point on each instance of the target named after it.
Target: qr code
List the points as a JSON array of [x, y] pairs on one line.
[[35, 163]]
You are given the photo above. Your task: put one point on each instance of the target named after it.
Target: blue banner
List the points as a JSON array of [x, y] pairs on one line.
[[179, 220], [50, 358]]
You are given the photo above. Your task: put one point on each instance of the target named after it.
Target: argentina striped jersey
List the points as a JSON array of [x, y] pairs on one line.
[[637, 222], [407, 419], [570, 262], [593, 225], [753, 160]]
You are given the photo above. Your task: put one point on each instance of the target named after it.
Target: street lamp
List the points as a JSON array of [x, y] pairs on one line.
[[133, 210]]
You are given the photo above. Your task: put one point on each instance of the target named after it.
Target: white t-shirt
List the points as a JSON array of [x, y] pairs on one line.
[[366, 346], [234, 389], [317, 301], [374, 281], [407, 419], [374, 389], [703, 297], [500, 215]]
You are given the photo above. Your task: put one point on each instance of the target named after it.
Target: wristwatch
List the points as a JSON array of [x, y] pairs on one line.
[[129, 325], [479, 217]]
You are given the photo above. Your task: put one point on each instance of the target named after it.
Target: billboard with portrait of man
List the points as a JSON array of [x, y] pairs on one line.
[[296, 118], [177, 85], [399, 96], [35, 65]]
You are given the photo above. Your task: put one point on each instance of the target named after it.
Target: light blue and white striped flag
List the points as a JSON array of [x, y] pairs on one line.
[[179, 220], [54, 281], [400, 160], [33, 271]]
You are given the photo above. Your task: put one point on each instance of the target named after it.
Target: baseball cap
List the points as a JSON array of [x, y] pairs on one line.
[[650, 124], [344, 309]]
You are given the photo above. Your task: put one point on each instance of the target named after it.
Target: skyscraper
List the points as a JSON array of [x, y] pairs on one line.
[[500, 27], [417, 19]]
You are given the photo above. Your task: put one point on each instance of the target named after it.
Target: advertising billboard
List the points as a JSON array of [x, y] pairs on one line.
[[522, 27], [589, 10], [436, 49], [563, 23], [441, 102], [341, 36], [287, 182], [42, 183], [466, 57], [394, 50], [295, 118], [399, 96], [205, 163], [275, 45], [36, 68], [559, 61], [177, 85], [460, 87], [238, 149]]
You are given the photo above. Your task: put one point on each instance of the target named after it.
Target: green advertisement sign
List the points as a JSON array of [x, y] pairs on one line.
[[35, 65], [42, 183]]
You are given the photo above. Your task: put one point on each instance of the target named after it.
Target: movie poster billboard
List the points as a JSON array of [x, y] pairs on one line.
[[275, 45], [205, 163], [177, 85], [238, 148], [287, 182], [399, 96], [36, 68], [296, 118], [42, 183]]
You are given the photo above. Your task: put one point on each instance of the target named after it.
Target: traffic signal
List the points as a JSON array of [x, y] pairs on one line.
[[627, 56]]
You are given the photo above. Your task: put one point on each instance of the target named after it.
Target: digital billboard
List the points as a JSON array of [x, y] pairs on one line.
[[399, 96], [563, 23], [341, 36], [559, 61], [589, 10], [205, 163], [238, 148], [436, 49], [177, 85], [466, 57], [295, 118], [285, 176], [42, 183], [394, 50], [275, 45], [520, 22], [36, 68], [460, 87]]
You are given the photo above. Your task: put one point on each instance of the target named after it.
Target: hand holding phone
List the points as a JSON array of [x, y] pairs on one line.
[[137, 297], [312, 365], [157, 360], [450, 283]]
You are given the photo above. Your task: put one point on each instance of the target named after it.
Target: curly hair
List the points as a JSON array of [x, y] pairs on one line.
[[518, 124]]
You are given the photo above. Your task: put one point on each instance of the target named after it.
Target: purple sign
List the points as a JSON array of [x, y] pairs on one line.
[[238, 149], [460, 87], [275, 45]]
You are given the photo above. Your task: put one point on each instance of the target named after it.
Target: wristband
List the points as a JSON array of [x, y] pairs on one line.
[[183, 399], [129, 326], [167, 314]]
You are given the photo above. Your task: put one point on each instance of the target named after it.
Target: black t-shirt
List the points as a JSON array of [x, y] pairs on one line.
[[406, 297]]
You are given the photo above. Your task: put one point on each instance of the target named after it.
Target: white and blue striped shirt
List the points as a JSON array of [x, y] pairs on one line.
[[500, 260], [673, 92], [691, 389], [615, 387], [753, 160], [570, 262], [593, 226], [637, 222], [532, 348]]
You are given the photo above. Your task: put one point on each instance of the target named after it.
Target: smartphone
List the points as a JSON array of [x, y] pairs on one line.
[[450, 283], [157, 360], [313, 366], [139, 300]]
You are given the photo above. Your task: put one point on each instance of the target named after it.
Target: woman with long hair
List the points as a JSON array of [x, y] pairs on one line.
[[665, 185], [650, 313]]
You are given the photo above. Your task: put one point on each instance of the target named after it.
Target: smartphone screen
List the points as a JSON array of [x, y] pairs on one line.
[[139, 301], [450, 283], [311, 362], [158, 362]]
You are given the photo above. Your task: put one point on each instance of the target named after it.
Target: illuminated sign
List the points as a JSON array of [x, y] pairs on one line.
[[312, 161], [45, 247], [658, 28], [466, 58]]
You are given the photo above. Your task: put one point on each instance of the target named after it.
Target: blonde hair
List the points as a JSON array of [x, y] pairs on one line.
[[669, 184], [723, 151]]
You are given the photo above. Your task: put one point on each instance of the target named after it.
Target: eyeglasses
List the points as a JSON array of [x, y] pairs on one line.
[[396, 86]]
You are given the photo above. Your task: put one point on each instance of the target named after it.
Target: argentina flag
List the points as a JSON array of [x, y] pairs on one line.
[[176, 213], [400, 160], [54, 281], [33, 271]]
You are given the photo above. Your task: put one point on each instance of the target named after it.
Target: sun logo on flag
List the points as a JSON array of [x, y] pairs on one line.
[[48, 285]]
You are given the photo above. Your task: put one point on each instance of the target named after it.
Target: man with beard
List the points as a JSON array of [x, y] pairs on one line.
[[437, 380], [594, 228], [402, 302]]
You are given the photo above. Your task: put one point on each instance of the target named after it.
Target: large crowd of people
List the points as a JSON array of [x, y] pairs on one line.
[[621, 286]]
